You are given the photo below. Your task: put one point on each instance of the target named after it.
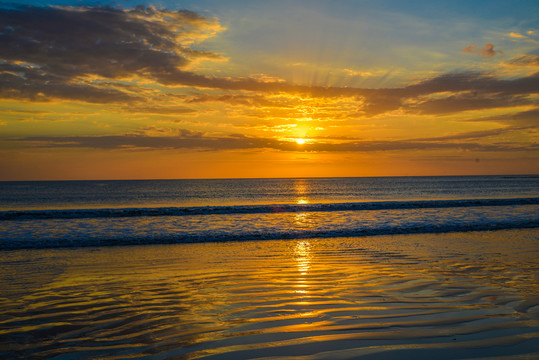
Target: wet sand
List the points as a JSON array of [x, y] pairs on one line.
[[443, 296]]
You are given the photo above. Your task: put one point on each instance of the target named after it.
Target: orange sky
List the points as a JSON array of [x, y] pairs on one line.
[[295, 90]]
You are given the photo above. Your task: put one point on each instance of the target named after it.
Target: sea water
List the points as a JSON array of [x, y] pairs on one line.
[[355, 268], [97, 213]]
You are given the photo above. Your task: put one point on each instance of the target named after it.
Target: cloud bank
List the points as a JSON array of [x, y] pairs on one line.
[[74, 52], [187, 139], [98, 54], [59, 52]]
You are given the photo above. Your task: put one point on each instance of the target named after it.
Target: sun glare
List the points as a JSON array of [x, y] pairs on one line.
[[300, 141]]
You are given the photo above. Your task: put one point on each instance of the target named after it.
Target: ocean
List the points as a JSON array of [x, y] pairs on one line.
[[305, 269], [99, 213]]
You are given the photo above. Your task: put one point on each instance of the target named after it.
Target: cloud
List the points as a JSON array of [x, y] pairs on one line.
[[516, 35], [454, 92], [186, 139], [525, 60], [243, 100], [468, 101], [47, 50], [51, 52], [266, 78], [487, 51], [85, 53], [471, 91], [474, 135], [353, 73], [484, 83], [528, 118], [161, 110], [150, 131], [469, 49], [27, 82]]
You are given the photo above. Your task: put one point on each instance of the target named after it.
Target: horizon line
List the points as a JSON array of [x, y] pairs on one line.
[[281, 178]]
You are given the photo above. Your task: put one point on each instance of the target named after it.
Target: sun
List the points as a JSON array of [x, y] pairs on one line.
[[300, 141]]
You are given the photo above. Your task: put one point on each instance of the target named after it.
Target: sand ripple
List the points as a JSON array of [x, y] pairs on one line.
[[386, 297]]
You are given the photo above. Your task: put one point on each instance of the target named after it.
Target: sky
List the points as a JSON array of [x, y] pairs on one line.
[[234, 89]]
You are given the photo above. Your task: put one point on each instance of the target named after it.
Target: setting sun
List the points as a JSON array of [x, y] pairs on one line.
[[326, 179], [204, 89]]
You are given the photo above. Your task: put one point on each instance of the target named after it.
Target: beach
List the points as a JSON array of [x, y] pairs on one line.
[[459, 295], [306, 268], [304, 180]]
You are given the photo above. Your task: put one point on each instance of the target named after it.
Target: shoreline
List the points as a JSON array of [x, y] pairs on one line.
[[467, 295], [7, 245]]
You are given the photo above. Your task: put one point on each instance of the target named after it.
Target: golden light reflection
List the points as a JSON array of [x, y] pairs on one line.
[[300, 188], [304, 221], [303, 257]]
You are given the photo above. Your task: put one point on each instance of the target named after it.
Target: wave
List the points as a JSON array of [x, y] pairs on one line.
[[125, 234], [257, 209]]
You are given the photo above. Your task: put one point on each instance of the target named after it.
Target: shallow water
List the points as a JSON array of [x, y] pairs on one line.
[[444, 296], [54, 214]]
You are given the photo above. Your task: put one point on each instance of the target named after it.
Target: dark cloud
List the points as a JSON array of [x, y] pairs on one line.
[[474, 135], [469, 101], [186, 139], [469, 49], [523, 118], [487, 51], [244, 100], [50, 47], [46, 49], [525, 60], [191, 141], [110, 42], [469, 91], [161, 110], [475, 82], [171, 132], [26, 82], [473, 90], [381, 100], [81, 53]]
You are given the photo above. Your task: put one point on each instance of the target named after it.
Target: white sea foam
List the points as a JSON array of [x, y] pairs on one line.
[[237, 226], [94, 213]]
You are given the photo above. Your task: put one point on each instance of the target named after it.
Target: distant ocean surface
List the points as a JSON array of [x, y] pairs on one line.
[[50, 214]]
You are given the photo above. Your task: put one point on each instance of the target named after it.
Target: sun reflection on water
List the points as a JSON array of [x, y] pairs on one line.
[[304, 221], [303, 256], [238, 299], [301, 190]]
